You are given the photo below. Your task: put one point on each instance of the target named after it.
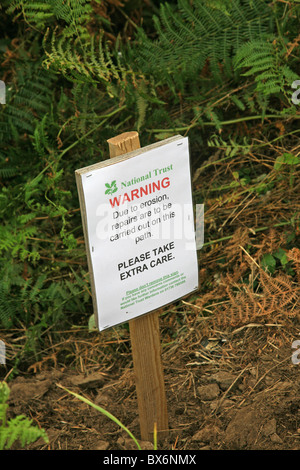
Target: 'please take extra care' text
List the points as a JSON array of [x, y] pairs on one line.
[[141, 263]]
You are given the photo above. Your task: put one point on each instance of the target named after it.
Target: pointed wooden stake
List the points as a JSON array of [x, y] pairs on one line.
[[145, 342]]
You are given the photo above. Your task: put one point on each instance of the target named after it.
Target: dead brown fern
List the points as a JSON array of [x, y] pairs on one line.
[[275, 298], [294, 256], [279, 291], [240, 238], [269, 242]]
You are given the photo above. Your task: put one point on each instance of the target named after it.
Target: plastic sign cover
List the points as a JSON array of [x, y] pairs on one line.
[[139, 231]]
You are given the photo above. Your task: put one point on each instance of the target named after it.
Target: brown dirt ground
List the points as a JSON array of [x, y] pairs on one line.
[[239, 391]]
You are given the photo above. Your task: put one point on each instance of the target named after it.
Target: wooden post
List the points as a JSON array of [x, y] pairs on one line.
[[145, 342]]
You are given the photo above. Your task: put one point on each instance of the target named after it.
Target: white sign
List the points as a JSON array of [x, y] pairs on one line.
[[139, 229]]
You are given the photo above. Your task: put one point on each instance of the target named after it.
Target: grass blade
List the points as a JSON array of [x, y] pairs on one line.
[[103, 411]]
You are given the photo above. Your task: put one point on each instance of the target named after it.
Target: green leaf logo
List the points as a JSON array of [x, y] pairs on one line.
[[111, 188]]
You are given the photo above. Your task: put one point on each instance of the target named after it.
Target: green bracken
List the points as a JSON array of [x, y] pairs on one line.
[[202, 68]]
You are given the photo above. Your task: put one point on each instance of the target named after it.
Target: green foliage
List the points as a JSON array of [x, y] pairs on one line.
[[8, 306], [286, 159], [285, 166], [198, 32], [270, 260], [19, 428], [266, 61], [203, 44], [88, 62], [75, 13], [198, 68]]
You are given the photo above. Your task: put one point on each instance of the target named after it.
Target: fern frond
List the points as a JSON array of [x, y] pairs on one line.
[[19, 428], [265, 60], [196, 32], [8, 172], [7, 310], [80, 62], [25, 102], [41, 13]]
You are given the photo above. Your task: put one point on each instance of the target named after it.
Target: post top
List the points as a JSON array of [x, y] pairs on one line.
[[123, 143]]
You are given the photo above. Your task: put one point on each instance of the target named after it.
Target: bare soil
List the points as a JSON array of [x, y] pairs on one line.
[[239, 391]]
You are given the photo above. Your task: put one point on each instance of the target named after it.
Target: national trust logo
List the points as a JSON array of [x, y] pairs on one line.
[[111, 188]]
